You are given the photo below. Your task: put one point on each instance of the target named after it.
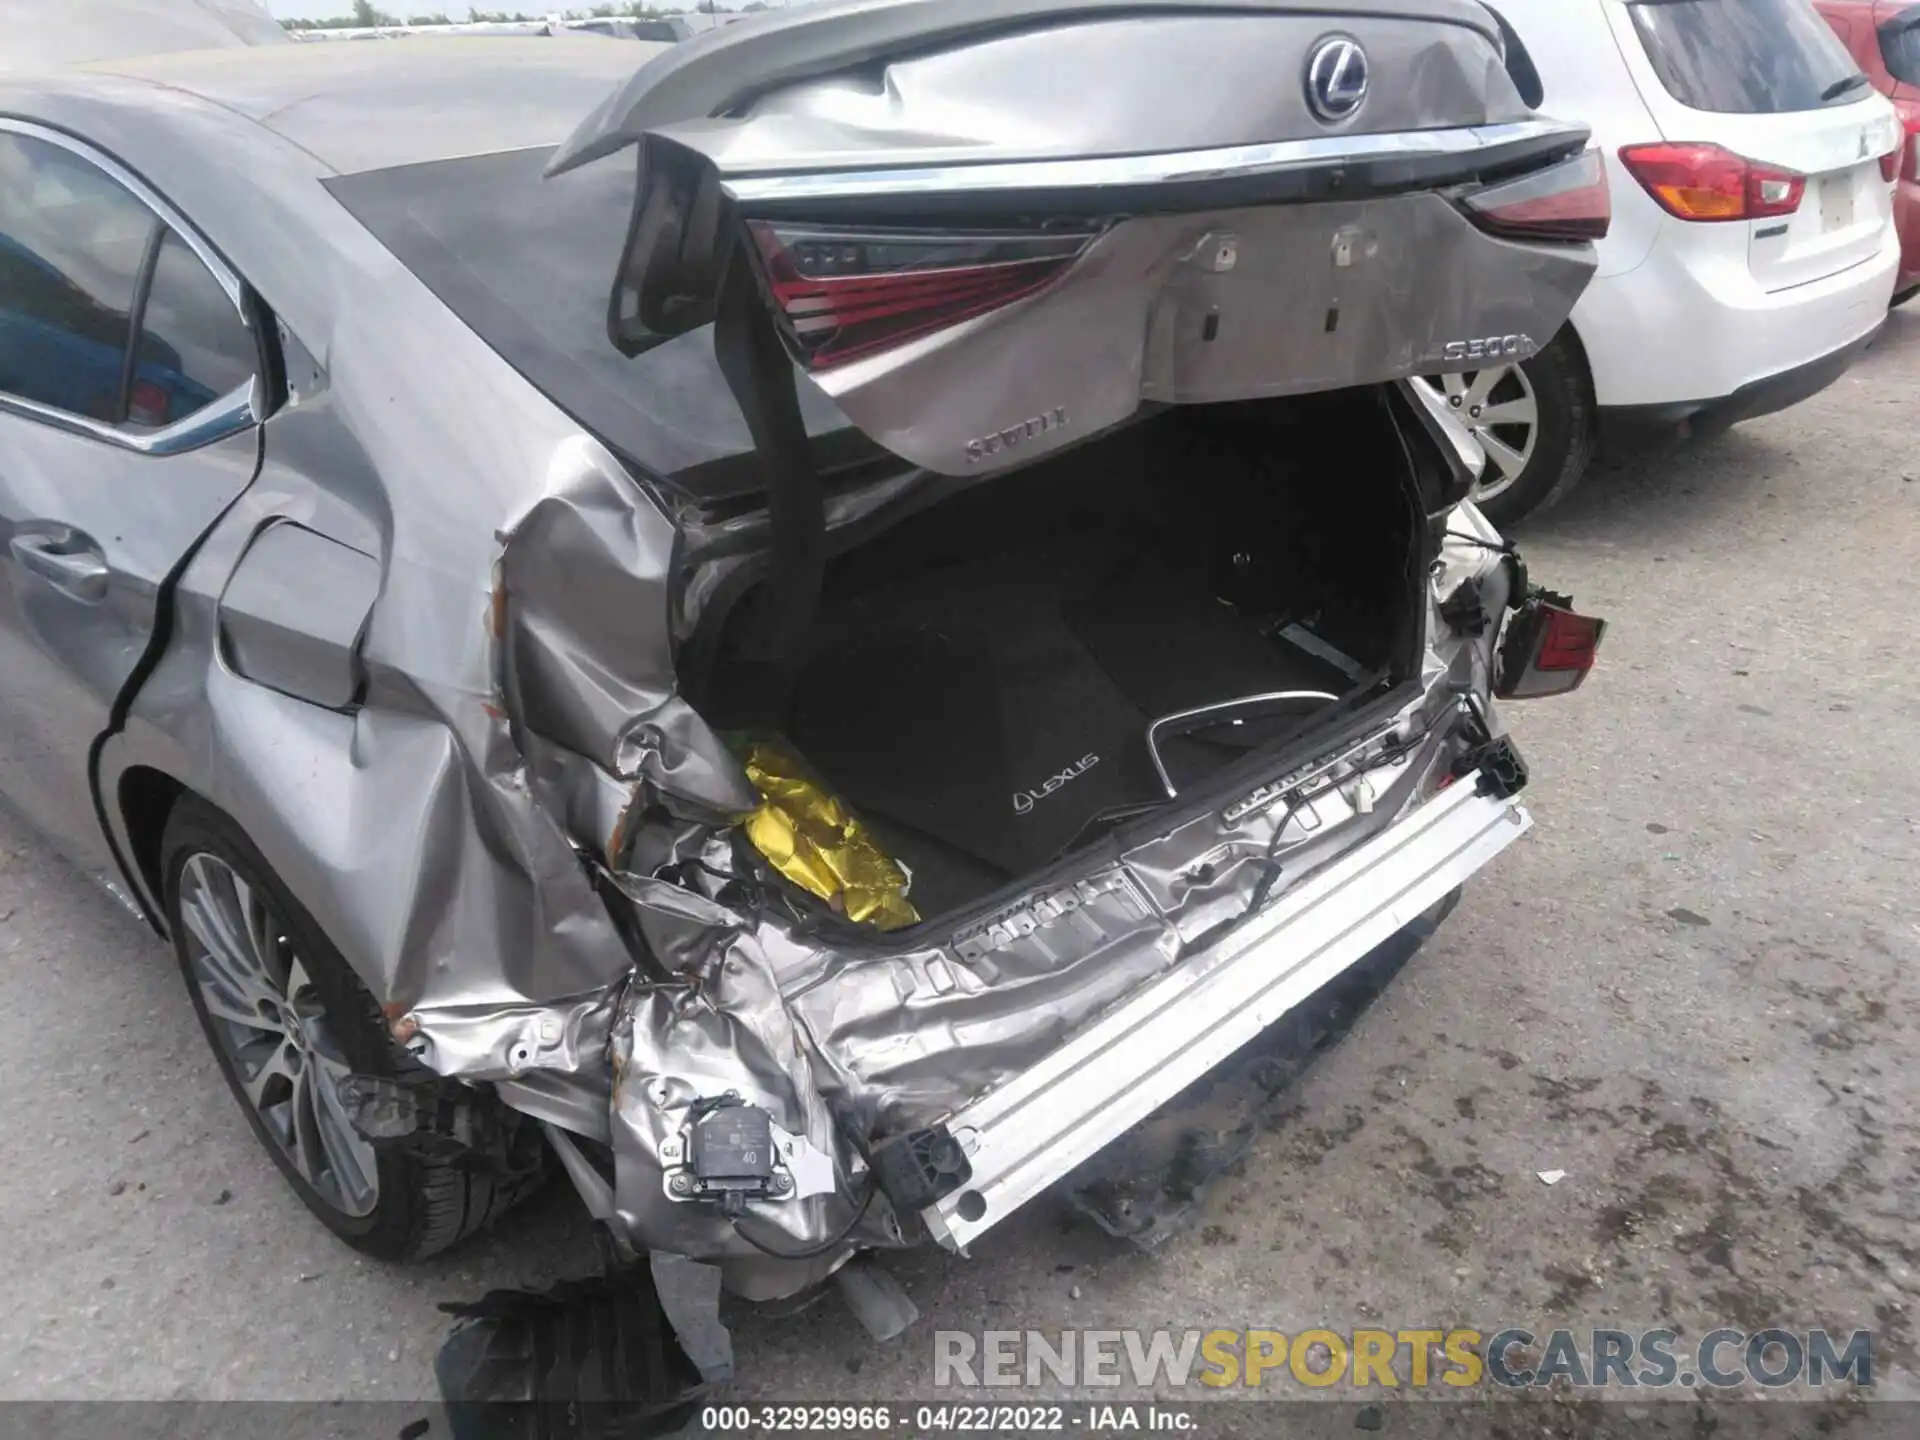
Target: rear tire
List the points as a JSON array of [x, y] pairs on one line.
[[1904, 296], [285, 1016], [1536, 421]]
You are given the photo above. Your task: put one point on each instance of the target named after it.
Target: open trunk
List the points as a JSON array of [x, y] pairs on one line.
[[1012, 671], [1159, 513], [990, 229]]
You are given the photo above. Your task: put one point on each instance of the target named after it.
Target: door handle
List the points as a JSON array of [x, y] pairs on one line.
[[66, 559]]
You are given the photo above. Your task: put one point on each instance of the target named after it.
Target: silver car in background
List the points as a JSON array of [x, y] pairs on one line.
[[814, 644]]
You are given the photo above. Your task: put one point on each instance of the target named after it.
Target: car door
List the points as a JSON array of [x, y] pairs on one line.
[[129, 385]]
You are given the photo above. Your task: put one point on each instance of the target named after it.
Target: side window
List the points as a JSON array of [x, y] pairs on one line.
[[105, 312], [72, 243], [193, 347]]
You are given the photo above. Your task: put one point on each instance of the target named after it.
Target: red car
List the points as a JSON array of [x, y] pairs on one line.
[[1884, 37]]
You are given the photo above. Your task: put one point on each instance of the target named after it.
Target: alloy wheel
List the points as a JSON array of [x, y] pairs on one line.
[[269, 1019], [1500, 408]]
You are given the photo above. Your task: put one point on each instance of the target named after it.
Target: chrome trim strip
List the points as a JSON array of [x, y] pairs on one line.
[[1228, 162], [1029, 1131], [230, 414], [147, 196]]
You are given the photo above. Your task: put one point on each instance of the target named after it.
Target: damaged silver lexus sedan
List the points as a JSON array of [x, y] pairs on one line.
[[811, 645]]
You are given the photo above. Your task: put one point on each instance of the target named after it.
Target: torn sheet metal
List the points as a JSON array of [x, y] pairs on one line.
[[841, 1041], [568, 1036], [583, 578], [721, 1026]]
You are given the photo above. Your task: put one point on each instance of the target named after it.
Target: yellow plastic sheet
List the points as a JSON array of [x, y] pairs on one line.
[[812, 839]]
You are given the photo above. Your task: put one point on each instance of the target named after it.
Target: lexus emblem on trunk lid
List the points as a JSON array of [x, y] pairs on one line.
[[1336, 78]]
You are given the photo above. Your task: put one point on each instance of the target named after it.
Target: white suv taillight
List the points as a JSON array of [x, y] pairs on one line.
[[1710, 182], [844, 293]]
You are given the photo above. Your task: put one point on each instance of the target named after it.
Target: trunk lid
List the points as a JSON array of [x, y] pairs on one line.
[[1847, 207], [991, 228], [1769, 81]]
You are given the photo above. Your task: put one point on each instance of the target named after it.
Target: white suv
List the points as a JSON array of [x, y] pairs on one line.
[[1752, 252]]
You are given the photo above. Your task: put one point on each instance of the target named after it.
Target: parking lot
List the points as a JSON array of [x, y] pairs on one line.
[[1693, 989]]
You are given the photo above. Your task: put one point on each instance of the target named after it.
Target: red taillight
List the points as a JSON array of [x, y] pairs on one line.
[[842, 294], [147, 403], [1548, 650], [1709, 182], [1568, 201], [1569, 642]]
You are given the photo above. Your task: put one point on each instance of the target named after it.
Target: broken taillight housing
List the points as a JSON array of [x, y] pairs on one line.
[[1548, 649], [844, 293], [1710, 182], [1568, 201]]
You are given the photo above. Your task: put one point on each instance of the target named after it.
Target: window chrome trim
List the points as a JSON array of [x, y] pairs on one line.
[[146, 195], [1227, 162], [235, 411]]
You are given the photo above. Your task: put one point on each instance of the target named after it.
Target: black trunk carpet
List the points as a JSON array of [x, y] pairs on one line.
[[1001, 708]]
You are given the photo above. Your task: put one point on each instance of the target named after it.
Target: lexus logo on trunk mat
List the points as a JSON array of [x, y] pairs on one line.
[[1336, 78], [1025, 800]]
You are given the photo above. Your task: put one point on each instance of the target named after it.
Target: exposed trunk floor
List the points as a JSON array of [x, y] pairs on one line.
[[985, 716]]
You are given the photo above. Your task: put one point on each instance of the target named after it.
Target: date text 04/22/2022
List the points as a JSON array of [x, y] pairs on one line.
[[947, 1419]]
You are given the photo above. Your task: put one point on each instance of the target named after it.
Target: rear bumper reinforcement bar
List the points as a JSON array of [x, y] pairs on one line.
[[1033, 1129]]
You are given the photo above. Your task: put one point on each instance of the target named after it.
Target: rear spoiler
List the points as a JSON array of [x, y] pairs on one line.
[[723, 71]]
